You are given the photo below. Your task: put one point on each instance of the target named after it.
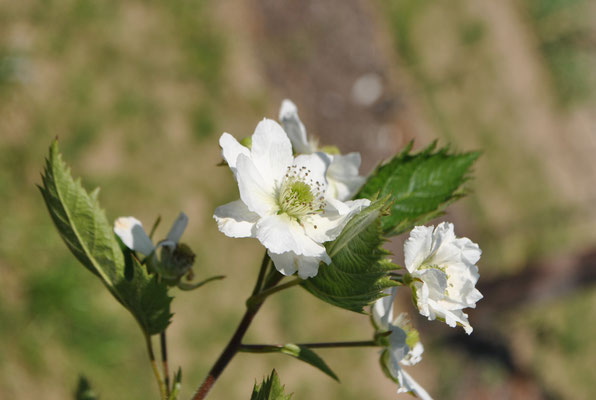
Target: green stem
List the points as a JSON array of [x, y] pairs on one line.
[[262, 271], [162, 387], [260, 297], [164, 360], [270, 348]]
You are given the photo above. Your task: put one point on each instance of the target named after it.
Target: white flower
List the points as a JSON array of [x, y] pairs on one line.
[[403, 345], [342, 175], [444, 272], [130, 231], [283, 201], [175, 259]]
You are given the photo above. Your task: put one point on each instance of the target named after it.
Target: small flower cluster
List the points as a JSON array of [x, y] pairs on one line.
[[442, 274], [293, 204]]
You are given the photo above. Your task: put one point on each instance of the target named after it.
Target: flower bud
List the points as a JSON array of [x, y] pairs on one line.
[[176, 262]]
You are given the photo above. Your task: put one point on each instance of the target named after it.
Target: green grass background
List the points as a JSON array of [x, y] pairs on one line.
[[138, 93]]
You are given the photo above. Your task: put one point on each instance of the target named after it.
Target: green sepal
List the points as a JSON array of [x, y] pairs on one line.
[[358, 273], [421, 184], [270, 389], [187, 286], [384, 361]]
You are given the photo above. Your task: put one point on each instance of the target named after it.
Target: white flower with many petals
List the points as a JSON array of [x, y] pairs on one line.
[[342, 175], [444, 272], [402, 346], [283, 200]]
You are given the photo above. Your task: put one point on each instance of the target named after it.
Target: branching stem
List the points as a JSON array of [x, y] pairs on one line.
[[234, 344]]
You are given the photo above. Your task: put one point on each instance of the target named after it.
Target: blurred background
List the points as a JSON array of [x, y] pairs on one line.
[[140, 91]]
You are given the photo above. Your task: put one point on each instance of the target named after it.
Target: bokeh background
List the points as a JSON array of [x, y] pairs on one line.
[[138, 93]]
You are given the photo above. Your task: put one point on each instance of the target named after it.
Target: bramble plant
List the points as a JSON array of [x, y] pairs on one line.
[[322, 225]]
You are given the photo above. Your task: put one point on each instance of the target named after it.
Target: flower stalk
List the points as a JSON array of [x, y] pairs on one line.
[[272, 348], [235, 342], [160, 382]]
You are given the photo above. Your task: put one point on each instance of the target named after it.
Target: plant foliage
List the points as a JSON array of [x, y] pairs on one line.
[[357, 274], [83, 226], [420, 184], [269, 389]]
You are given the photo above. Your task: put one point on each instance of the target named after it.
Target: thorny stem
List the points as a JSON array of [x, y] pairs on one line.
[[268, 348], [234, 344], [164, 360], [162, 387]]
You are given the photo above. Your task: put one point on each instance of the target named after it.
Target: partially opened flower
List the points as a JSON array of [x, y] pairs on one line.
[[342, 175], [402, 345], [283, 200], [176, 258], [444, 272]]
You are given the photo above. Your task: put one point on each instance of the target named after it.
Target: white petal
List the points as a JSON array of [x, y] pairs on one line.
[[397, 348], [470, 251], [408, 384], [231, 149], [280, 234], [328, 225], [255, 191], [342, 176], [382, 310], [288, 115], [316, 164], [414, 356], [236, 220], [418, 247], [178, 228], [131, 232], [285, 263], [271, 150], [288, 263]]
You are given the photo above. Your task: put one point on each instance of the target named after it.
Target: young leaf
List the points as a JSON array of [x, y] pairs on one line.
[[80, 221], [86, 231], [308, 356], [176, 385], [145, 297], [269, 389], [357, 274], [84, 391], [421, 185]]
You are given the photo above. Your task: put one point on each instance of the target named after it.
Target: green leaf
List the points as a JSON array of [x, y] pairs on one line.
[[421, 185], [308, 356], [80, 221], [83, 226], [145, 297], [357, 274], [176, 385], [269, 389], [84, 391]]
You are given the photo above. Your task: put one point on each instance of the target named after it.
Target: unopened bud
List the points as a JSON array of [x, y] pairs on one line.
[[176, 262]]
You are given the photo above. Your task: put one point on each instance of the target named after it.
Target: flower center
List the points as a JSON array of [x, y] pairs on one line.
[[300, 195]]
